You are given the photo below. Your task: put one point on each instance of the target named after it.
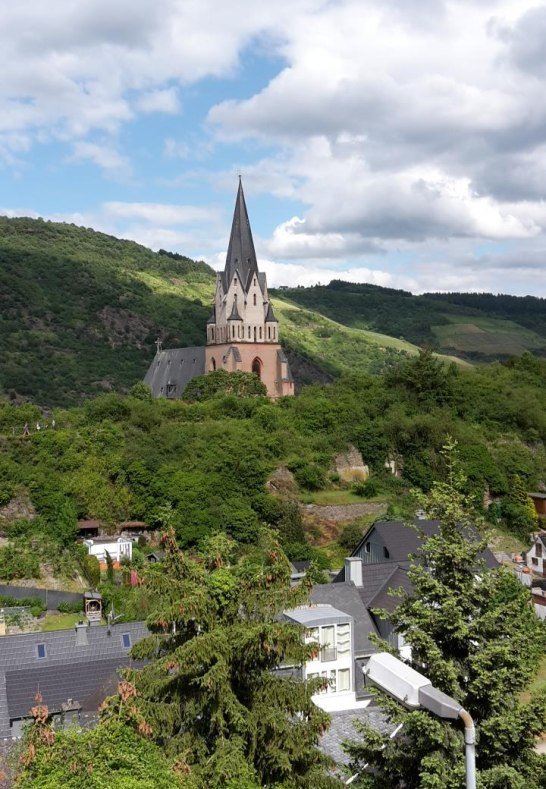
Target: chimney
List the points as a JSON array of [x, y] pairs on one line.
[[353, 570], [81, 634]]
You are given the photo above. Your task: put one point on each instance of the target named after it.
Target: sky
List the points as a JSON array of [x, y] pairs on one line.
[[397, 142]]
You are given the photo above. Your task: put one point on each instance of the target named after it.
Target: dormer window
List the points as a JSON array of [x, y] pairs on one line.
[[171, 390], [254, 299]]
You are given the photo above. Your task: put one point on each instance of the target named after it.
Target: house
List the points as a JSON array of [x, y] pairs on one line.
[[396, 541], [73, 670], [155, 556], [117, 547], [535, 557], [242, 331], [89, 528], [539, 500]]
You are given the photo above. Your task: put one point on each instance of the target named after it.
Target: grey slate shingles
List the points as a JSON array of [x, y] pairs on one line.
[[67, 669]]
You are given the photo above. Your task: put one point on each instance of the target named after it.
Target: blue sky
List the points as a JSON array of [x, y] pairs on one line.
[[400, 142]]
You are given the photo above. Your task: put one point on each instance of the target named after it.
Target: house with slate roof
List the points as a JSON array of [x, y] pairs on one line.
[[73, 670], [242, 331]]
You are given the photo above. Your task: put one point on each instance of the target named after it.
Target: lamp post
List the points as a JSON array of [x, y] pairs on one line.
[[417, 692]]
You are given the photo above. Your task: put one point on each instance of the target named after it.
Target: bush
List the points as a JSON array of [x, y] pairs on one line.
[[367, 489], [67, 607], [350, 536]]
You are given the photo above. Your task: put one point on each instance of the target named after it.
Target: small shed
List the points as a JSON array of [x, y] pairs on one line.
[[89, 528], [539, 500]]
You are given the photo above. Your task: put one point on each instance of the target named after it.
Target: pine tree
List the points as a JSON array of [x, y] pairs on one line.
[[473, 632], [211, 695]]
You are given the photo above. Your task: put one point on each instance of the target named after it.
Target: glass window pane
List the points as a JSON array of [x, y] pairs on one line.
[[343, 639], [327, 636], [344, 679]]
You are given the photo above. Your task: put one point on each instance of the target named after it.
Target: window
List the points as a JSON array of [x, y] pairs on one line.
[[269, 332], [328, 650], [367, 547], [249, 332], [386, 554], [41, 651], [254, 299], [343, 639], [171, 390], [312, 634], [332, 679], [260, 332], [126, 640], [534, 561], [538, 549], [344, 679]]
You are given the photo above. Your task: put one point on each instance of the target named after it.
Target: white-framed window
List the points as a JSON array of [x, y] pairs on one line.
[[344, 679]]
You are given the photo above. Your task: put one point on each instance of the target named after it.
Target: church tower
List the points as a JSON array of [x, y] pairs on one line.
[[242, 331]]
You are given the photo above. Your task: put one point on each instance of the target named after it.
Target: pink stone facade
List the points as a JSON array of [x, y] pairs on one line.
[[265, 359]]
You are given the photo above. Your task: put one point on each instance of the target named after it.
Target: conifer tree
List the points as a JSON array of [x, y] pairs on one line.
[[211, 695], [474, 633]]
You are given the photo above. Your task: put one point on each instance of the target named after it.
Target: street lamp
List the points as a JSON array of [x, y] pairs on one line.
[[417, 692]]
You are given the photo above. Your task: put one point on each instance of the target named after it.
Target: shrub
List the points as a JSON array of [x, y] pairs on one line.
[[91, 570], [350, 536], [70, 607]]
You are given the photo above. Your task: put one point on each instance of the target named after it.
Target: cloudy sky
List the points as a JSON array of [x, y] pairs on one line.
[[399, 142]]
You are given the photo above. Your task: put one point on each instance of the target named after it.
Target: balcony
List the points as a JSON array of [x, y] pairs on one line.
[[327, 654]]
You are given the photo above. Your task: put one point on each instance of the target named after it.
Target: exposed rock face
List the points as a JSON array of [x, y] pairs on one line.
[[350, 466], [18, 508], [281, 481]]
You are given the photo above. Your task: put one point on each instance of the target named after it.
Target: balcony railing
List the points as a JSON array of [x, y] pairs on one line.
[[327, 654]]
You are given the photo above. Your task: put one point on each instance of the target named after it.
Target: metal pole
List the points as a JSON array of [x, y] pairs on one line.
[[469, 749]]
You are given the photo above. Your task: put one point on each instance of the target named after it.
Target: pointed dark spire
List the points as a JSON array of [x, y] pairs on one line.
[[241, 256]]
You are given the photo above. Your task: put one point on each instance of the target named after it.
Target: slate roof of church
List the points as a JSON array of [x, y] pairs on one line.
[[270, 314], [66, 671], [241, 256], [174, 367]]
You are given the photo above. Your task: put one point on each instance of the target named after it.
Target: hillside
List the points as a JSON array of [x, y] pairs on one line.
[[474, 326], [80, 312]]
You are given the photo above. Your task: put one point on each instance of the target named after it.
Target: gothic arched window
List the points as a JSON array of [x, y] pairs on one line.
[[257, 367]]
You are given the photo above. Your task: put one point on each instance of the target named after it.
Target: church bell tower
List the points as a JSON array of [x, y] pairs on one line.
[[242, 331]]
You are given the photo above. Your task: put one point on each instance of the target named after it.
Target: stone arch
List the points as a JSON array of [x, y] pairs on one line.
[[257, 365], [212, 365]]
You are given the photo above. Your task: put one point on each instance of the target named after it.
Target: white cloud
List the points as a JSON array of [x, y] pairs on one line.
[[103, 155], [160, 213], [166, 101]]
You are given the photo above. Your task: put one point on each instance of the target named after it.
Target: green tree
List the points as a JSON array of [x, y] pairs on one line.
[[91, 570], [211, 695], [473, 632], [220, 383], [109, 568]]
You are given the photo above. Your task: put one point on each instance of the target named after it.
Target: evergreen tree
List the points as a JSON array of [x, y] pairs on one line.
[[211, 695], [473, 632]]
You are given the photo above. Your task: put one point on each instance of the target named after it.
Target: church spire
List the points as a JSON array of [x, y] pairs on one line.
[[241, 256]]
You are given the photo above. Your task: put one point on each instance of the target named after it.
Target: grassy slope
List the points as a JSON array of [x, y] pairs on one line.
[[479, 327]]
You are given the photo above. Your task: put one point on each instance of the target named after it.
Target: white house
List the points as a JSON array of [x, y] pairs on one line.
[[333, 632], [117, 547], [535, 557]]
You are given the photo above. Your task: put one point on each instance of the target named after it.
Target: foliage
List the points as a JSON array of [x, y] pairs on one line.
[[220, 383], [473, 632], [350, 536], [210, 694], [70, 607], [91, 570], [110, 756], [17, 562]]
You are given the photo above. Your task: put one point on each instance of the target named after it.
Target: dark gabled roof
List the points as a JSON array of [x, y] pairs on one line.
[[89, 683], [301, 566], [64, 660], [234, 316], [270, 316], [345, 597], [241, 256], [172, 370], [212, 318], [342, 728], [396, 580], [402, 539], [538, 494]]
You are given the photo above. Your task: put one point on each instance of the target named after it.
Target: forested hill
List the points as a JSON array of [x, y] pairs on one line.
[[475, 326], [80, 310]]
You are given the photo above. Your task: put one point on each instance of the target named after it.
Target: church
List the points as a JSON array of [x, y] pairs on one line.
[[242, 331]]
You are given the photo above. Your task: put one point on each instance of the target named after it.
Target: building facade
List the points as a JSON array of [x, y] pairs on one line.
[[242, 331]]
